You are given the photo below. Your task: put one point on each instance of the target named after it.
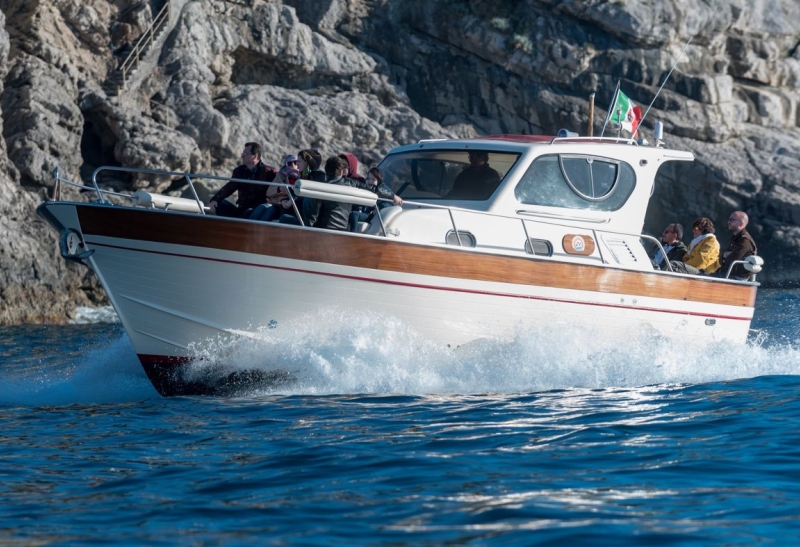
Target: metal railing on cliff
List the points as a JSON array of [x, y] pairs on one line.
[[140, 49]]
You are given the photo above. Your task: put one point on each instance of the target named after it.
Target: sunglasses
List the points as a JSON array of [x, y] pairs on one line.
[[733, 219], [291, 163]]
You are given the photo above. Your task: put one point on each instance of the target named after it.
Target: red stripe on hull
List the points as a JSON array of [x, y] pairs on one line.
[[432, 287]]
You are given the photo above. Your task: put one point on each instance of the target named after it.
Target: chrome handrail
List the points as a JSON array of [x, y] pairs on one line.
[[189, 179], [751, 275], [660, 248], [450, 209], [619, 140]]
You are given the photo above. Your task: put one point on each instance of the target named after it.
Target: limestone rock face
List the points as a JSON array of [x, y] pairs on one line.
[[366, 75]]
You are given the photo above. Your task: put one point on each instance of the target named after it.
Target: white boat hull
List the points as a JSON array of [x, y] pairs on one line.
[[177, 284]]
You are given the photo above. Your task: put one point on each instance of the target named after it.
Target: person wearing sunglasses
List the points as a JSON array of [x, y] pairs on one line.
[[278, 200], [672, 244], [741, 246]]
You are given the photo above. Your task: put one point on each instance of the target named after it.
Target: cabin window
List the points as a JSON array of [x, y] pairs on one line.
[[576, 182], [446, 174]]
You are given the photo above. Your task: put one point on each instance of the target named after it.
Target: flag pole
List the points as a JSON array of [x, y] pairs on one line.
[[610, 108], [591, 115]]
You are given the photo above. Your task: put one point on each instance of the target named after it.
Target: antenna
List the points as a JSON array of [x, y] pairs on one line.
[[667, 78]]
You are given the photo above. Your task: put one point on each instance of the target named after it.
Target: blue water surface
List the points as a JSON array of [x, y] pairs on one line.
[[387, 439]]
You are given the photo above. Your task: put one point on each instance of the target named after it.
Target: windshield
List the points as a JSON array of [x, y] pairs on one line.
[[446, 174]]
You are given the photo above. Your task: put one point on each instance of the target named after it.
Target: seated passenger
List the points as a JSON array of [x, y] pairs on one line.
[[740, 247], [374, 183], [309, 163], [703, 254], [278, 201], [250, 196], [352, 174], [352, 167], [320, 213], [672, 244], [477, 181]]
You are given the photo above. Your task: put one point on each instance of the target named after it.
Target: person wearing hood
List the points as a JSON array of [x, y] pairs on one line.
[[352, 167], [352, 174], [250, 196]]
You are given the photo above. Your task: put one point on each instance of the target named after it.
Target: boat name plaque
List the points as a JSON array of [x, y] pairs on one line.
[[577, 244]]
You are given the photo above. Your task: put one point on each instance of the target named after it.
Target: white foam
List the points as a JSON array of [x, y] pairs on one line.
[[338, 351], [85, 315]]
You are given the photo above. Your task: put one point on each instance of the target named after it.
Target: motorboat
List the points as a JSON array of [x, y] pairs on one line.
[[548, 232]]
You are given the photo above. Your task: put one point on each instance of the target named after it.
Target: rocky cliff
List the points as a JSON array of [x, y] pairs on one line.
[[366, 75]]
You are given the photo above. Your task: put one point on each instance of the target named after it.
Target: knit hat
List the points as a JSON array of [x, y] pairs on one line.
[[312, 157]]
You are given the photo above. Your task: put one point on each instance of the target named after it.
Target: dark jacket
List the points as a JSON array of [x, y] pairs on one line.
[[741, 246], [250, 195], [676, 253], [475, 183], [331, 215], [318, 175], [381, 189]]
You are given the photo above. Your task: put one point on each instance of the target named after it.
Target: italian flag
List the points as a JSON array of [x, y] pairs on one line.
[[626, 113]]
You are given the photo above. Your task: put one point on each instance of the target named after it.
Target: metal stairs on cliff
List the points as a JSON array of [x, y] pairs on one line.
[[117, 81]]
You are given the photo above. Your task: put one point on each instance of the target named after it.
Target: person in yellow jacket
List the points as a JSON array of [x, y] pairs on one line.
[[703, 254]]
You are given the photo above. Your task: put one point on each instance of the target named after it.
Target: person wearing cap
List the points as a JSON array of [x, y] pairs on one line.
[[249, 195], [278, 200], [477, 180]]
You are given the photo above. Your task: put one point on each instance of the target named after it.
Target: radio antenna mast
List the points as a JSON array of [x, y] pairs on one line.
[[667, 78]]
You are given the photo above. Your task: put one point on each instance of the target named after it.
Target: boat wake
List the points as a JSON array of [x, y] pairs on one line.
[[337, 351]]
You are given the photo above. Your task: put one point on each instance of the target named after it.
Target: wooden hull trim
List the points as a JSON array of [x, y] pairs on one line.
[[215, 236]]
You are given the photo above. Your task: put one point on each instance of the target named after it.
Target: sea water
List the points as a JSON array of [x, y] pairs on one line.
[[385, 438]]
